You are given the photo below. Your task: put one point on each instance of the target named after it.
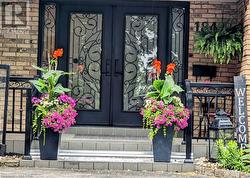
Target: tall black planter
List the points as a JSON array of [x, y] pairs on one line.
[[162, 146], [49, 149]]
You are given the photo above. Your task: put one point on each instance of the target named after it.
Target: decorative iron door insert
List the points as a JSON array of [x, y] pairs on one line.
[[110, 50], [140, 33], [88, 54]]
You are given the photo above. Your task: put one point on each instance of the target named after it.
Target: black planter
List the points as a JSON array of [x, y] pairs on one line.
[[162, 146], [49, 148]]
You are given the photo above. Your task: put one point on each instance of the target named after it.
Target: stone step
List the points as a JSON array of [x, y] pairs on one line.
[[108, 131], [107, 164], [79, 155], [103, 143], [115, 143], [109, 160]]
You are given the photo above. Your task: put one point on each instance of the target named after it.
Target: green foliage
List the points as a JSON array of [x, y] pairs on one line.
[[48, 83], [164, 90], [246, 158], [230, 156], [220, 42]]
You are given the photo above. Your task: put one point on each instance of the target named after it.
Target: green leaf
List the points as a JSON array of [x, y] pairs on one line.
[[153, 94], [53, 73], [167, 87], [39, 68], [60, 89], [40, 85], [158, 84], [177, 89]]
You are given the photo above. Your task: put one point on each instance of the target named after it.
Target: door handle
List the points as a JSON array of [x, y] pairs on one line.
[[118, 67], [106, 68]]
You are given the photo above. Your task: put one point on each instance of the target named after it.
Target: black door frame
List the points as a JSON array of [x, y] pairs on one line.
[[128, 3]]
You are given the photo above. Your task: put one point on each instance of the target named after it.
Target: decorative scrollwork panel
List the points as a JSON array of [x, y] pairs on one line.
[[140, 49], [177, 43], [85, 59], [49, 27]]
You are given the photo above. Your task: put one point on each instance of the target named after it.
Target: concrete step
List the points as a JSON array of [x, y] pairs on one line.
[[108, 131], [109, 160], [79, 155], [106, 164], [114, 143], [120, 143]]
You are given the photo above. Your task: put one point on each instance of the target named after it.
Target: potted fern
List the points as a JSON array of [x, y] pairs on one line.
[[220, 42]]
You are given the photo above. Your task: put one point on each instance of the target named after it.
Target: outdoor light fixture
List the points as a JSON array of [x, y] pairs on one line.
[[220, 128]]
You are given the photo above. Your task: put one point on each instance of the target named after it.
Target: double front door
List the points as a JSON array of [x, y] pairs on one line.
[[109, 48]]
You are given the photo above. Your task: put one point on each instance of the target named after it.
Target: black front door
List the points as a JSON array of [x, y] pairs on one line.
[[107, 47]]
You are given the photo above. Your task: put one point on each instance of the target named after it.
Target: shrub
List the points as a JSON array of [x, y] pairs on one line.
[[246, 158], [230, 156]]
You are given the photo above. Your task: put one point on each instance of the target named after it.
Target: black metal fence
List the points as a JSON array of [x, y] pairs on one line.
[[204, 99], [4, 85], [18, 118]]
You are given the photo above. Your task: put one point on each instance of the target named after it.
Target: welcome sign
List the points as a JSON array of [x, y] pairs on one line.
[[241, 110]]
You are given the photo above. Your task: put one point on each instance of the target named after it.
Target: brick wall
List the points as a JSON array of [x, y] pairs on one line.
[[18, 46], [245, 64], [204, 11]]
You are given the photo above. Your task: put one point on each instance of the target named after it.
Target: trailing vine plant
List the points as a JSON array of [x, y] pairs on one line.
[[219, 41]]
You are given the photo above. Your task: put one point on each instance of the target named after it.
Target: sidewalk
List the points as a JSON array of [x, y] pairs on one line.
[[17, 172]]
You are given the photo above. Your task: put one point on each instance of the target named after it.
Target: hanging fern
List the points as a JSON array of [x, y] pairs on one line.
[[220, 42]]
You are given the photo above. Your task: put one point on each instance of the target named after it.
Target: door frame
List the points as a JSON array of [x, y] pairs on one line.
[[128, 3]]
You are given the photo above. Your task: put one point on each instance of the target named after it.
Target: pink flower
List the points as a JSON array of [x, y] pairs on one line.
[[142, 111], [67, 99], [171, 106], [60, 121], [161, 105]]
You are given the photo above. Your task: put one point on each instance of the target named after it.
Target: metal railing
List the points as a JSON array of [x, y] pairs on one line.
[[4, 86], [19, 116], [204, 99]]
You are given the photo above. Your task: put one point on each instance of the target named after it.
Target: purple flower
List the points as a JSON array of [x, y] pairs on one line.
[[35, 100]]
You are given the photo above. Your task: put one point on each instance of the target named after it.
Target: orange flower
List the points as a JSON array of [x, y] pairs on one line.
[[58, 53], [170, 68], [157, 65]]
